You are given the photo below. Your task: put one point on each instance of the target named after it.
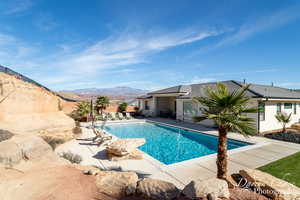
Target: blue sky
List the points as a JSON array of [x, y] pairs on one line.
[[151, 44]]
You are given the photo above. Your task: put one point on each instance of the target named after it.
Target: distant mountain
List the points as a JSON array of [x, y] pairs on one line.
[[108, 91]]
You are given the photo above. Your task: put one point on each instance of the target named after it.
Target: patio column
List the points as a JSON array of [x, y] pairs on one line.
[[154, 107]]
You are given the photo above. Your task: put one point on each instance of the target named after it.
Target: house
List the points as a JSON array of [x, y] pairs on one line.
[[177, 103]]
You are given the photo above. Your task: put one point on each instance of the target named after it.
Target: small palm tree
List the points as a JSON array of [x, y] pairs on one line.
[[229, 112], [83, 109], [102, 103], [284, 119]]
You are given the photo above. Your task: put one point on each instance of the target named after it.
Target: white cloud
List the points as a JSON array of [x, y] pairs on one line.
[[256, 25], [262, 24], [127, 49], [16, 6], [45, 22], [290, 84], [196, 80], [243, 72]]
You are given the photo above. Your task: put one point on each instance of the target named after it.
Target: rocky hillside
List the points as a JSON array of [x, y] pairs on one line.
[[28, 108]]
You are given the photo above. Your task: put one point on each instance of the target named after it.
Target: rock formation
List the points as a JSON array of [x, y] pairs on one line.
[[27, 108]]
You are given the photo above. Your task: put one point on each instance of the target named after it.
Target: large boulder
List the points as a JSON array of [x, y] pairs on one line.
[[33, 147], [122, 147], [202, 189], [10, 153], [269, 185], [116, 184], [244, 194], [134, 155], [157, 189], [28, 109], [19, 147]]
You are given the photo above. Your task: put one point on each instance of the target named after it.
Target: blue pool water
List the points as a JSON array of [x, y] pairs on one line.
[[169, 144]]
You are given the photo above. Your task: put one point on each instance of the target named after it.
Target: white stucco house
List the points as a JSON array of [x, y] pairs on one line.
[[177, 103]]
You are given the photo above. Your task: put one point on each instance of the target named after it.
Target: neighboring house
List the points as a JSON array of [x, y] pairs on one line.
[[177, 102]]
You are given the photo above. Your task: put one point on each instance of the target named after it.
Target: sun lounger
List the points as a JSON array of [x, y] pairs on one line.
[[121, 116], [104, 116], [128, 116], [101, 138], [113, 116]]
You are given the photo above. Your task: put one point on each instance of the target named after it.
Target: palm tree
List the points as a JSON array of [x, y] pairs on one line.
[[284, 119], [102, 102], [229, 112], [83, 109]]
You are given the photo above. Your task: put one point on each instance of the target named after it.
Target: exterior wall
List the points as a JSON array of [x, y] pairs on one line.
[[183, 115], [271, 123], [165, 105], [151, 105], [254, 104]]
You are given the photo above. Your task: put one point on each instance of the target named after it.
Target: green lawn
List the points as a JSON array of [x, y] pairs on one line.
[[287, 169]]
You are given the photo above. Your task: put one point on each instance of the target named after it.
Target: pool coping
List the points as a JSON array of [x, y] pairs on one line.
[[165, 167]]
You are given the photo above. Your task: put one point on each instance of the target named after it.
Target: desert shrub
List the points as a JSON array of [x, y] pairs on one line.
[[5, 135], [73, 158], [53, 142]]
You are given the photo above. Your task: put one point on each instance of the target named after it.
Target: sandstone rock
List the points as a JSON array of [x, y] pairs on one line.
[[10, 153], [27, 108], [270, 186], [87, 170], [122, 147], [244, 194], [157, 189], [33, 147], [116, 184], [201, 189], [296, 126], [45, 181], [134, 155]]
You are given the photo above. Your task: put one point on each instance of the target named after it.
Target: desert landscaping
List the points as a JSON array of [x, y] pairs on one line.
[[149, 100], [31, 170]]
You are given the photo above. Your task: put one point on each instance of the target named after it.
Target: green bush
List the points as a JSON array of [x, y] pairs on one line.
[[123, 106], [53, 142], [73, 158]]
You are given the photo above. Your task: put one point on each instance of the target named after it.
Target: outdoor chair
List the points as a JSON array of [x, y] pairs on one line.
[[128, 116], [121, 116], [104, 116], [101, 138], [113, 116]]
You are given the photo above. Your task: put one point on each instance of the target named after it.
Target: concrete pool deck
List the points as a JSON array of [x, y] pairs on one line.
[[182, 173]]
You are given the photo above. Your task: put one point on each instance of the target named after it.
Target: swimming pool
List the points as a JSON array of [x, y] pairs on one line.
[[168, 144]]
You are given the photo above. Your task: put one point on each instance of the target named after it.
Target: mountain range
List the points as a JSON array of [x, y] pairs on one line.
[[108, 91]]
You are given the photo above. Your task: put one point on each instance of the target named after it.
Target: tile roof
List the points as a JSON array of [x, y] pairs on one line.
[[254, 91], [175, 89]]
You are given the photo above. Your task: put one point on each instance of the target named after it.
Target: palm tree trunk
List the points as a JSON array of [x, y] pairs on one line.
[[222, 153], [283, 129]]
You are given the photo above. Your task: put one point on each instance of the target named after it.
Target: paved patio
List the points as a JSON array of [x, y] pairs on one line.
[[263, 152]]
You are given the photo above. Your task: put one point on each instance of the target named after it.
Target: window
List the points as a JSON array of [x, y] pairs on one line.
[[261, 109], [146, 105], [288, 105], [295, 108], [278, 107]]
